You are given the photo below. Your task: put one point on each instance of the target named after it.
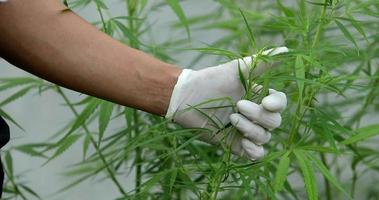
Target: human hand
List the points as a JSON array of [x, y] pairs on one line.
[[204, 99]]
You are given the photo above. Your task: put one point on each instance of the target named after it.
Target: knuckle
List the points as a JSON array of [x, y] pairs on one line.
[[259, 153], [252, 150], [242, 104], [265, 138], [260, 136], [272, 121]]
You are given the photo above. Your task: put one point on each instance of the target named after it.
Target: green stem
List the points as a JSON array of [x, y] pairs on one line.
[[138, 158], [15, 187], [326, 182], [131, 7], [354, 181], [320, 26], [302, 106], [93, 142], [214, 184], [296, 124], [356, 118], [102, 18]]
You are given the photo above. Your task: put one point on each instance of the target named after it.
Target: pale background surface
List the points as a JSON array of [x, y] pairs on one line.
[[41, 116]]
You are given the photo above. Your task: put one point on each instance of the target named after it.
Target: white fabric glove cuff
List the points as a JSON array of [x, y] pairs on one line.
[[178, 88]]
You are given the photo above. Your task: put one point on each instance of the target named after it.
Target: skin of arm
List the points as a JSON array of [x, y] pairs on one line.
[[36, 36]]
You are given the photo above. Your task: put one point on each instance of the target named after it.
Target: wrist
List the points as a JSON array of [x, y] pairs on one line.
[[172, 75], [179, 87]]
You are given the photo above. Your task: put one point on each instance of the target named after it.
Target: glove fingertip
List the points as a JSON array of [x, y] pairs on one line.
[[276, 102], [253, 151], [234, 118]]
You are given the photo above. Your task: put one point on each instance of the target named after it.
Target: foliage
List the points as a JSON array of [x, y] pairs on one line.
[[331, 76]]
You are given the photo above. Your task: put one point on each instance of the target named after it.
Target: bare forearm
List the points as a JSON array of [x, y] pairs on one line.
[[38, 37]]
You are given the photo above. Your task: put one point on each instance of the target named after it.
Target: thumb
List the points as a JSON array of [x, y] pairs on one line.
[[262, 67]]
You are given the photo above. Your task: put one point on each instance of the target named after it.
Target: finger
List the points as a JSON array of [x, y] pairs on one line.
[[251, 150], [262, 67], [256, 89], [257, 114], [275, 101], [275, 51], [251, 131]]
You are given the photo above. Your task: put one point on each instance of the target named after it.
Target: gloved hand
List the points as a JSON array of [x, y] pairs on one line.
[[204, 99]]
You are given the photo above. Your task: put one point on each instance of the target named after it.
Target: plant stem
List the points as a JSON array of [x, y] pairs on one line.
[[93, 142], [130, 6], [326, 182], [356, 118], [102, 18], [217, 177], [354, 181], [302, 106], [138, 158], [320, 26], [14, 184]]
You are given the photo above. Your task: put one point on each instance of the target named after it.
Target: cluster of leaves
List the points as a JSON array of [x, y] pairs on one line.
[[331, 76]]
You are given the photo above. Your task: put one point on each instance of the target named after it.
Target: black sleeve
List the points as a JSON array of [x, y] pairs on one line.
[[4, 133], [4, 138]]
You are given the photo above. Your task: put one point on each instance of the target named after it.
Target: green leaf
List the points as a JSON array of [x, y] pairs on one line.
[[308, 174], [288, 12], [16, 96], [363, 133], [356, 24], [105, 113], [84, 115], [325, 132], [81, 170], [146, 186], [127, 32], [173, 176], [9, 163], [217, 51], [251, 35], [300, 75], [324, 170], [313, 62], [86, 143], [101, 4], [29, 149], [346, 33], [63, 145], [175, 6], [9, 83], [317, 3], [320, 149], [6, 116], [242, 77], [29, 190], [214, 121], [281, 172]]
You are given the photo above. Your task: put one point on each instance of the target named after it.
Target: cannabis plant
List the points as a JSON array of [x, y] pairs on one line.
[[323, 150]]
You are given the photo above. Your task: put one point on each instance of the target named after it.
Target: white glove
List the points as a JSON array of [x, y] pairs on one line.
[[193, 104]]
